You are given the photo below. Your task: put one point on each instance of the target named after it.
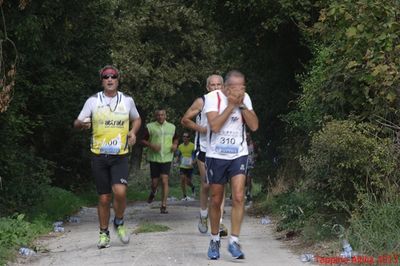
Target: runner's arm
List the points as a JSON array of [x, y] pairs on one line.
[[216, 120], [135, 126], [193, 110], [175, 142], [251, 119], [83, 121], [248, 114], [147, 143]]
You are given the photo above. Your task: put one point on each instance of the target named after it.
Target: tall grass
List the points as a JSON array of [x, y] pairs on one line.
[[375, 228]]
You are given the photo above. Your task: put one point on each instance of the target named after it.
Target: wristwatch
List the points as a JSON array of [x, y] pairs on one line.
[[242, 107]]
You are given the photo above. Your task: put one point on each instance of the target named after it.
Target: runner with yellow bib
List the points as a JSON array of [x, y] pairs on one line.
[[186, 159], [109, 114]]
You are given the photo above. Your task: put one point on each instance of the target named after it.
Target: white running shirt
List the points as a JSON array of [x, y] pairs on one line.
[[110, 102], [230, 142], [201, 120]]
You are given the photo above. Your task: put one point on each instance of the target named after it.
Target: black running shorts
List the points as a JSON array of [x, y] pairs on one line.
[[186, 172], [157, 169], [109, 170]]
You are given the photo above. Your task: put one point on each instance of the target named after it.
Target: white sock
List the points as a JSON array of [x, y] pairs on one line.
[[233, 239], [204, 213], [215, 238]]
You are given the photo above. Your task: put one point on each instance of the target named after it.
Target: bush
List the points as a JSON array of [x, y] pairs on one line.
[[348, 159], [292, 207], [20, 229], [374, 229], [16, 232], [56, 204], [24, 178]]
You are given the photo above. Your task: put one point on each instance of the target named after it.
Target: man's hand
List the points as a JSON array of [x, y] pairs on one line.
[[236, 95], [83, 124], [131, 138], [174, 147]]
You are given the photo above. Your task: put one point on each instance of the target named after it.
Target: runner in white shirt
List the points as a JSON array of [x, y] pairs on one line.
[[228, 111], [214, 82], [114, 121]]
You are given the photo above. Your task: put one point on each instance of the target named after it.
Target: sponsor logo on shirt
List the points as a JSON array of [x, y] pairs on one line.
[[234, 118], [114, 123]]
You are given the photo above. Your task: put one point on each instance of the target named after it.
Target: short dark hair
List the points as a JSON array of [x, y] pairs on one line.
[[159, 110]]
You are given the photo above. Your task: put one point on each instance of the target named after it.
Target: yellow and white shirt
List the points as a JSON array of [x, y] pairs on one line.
[[110, 118]]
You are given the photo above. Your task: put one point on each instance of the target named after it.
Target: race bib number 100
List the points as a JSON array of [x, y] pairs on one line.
[[111, 147]]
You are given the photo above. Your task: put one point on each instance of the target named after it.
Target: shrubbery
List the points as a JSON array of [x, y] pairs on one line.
[[349, 181], [24, 177], [346, 159], [374, 229], [21, 229], [56, 204], [16, 232]]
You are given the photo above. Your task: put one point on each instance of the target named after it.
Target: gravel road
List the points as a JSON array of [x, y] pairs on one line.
[[181, 245]]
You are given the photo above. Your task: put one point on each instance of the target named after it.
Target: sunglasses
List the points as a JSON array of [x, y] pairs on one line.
[[109, 76], [185, 136]]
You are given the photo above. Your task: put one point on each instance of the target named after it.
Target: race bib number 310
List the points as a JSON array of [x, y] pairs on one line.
[[227, 145]]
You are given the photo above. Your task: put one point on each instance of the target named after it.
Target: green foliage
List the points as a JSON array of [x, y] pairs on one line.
[[317, 228], [20, 230], [346, 159], [60, 46], [16, 232], [374, 229], [165, 51], [292, 207], [309, 116], [24, 177], [363, 65], [56, 204]]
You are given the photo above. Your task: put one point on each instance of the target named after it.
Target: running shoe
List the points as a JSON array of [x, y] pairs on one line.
[[189, 198], [122, 233], [223, 231], [151, 197], [235, 251], [104, 241], [203, 224], [163, 210], [213, 250]]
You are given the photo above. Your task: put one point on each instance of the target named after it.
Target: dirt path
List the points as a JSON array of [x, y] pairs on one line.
[[181, 245]]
